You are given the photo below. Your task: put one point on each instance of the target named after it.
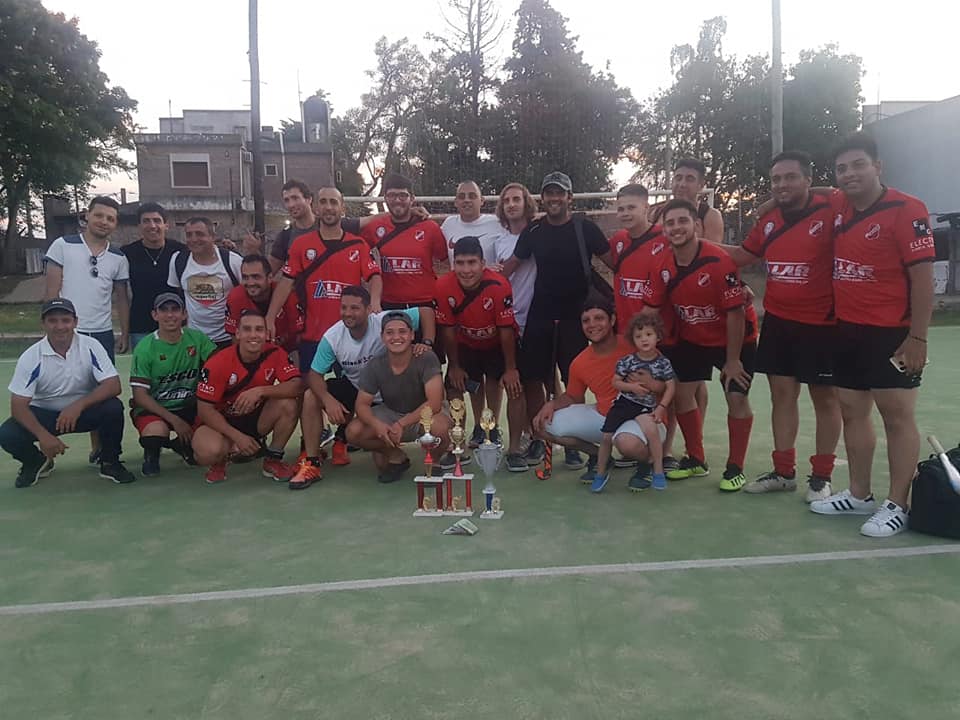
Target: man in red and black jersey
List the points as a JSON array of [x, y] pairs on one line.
[[883, 291], [474, 308], [254, 293], [795, 239], [246, 391], [700, 281], [319, 266]]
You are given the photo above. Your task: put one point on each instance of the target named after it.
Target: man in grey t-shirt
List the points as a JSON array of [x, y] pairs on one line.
[[406, 385]]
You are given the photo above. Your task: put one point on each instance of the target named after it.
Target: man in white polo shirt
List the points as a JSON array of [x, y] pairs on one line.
[[469, 222], [206, 274], [87, 271], [63, 384]]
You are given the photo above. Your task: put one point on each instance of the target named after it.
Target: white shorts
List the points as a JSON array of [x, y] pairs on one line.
[[584, 423]]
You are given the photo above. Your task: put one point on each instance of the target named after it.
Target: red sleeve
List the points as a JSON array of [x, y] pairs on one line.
[[441, 305], [438, 243], [232, 316], [368, 266], [913, 234], [294, 264], [576, 387], [503, 303], [285, 370], [755, 240], [212, 384], [725, 277]]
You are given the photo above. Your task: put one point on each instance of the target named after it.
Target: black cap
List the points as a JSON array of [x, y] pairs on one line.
[[61, 304], [561, 180], [167, 297], [468, 245], [396, 315]]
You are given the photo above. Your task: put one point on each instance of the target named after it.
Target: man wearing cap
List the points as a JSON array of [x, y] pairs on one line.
[[166, 368], [63, 384], [559, 292]]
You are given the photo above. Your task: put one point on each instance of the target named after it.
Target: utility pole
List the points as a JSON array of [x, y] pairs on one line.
[[257, 170], [776, 89]]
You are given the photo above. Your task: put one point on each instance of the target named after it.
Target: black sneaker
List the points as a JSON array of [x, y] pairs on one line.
[[641, 479], [517, 463], [536, 451], [151, 463], [591, 471], [448, 461], [477, 437], [184, 450], [394, 472], [327, 437], [117, 472], [572, 460], [94, 457], [30, 471], [495, 436], [670, 463]]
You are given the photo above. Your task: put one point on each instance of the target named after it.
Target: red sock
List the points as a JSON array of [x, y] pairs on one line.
[[692, 429], [785, 462], [738, 432], [822, 465]]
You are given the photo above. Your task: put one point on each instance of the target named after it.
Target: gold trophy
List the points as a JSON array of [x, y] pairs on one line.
[[428, 442], [487, 423], [457, 434], [460, 506]]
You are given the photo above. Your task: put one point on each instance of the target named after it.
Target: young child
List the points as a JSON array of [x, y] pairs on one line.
[[635, 402]]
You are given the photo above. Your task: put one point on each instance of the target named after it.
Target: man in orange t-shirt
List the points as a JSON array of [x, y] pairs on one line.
[[568, 421]]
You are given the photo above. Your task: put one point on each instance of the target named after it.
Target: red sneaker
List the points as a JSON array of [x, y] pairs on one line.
[[340, 454], [278, 470], [217, 473], [307, 474]]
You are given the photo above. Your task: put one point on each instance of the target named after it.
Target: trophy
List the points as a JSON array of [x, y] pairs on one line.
[[458, 506], [488, 457], [428, 442]]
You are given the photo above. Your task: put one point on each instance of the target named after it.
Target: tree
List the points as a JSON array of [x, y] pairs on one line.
[[62, 123], [555, 112]]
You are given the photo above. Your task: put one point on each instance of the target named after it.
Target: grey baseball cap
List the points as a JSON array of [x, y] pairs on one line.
[[59, 303], [167, 297], [561, 180]]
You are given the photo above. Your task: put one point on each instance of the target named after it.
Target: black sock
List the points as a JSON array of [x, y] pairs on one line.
[[315, 460], [153, 443], [274, 454]]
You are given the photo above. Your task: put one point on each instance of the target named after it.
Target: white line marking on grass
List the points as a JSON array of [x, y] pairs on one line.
[[471, 576]]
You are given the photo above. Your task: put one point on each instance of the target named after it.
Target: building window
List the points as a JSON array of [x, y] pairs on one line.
[[270, 170], [190, 170]]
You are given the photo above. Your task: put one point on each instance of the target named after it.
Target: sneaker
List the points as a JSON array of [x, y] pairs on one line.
[[733, 479], [94, 457], [30, 471], [670, 463], [771, 482], [340, 454], [818, 488], [517, 463], [326, 437], [888, 521], [307, 474], [599, 482], [496, 437], [659, 481], [536, 451], [572, 460], [687, 468], [477, 437], [448, 462], [151, 463], [117, 472], [641, 479], [46, 469], [395, 471], [277, 469], [587, 477], [184, 450], [216, 473], [622, 462], [843, 503]]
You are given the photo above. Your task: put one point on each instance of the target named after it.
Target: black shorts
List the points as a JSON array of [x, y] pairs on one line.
[[622, 410], [306, 349], [693, 363], [344, 392], [862, 358], [536, 350], [247, 424], [482, 364], [795, 349]]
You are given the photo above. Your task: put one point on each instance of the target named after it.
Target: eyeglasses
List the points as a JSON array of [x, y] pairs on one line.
[[397, 196], [93, 266]]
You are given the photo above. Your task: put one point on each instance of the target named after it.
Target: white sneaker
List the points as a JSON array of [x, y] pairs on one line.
[[888, 521], [822, 493], [771, 482], [843, 503]]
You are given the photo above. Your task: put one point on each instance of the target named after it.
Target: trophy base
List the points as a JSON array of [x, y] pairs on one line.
[[420, 512], [458, 513], [451, 476], [491, 515], [428, 479]]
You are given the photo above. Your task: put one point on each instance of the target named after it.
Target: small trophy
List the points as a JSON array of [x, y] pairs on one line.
[[457, 435], [487, 423], [428, 442], [488, 456]]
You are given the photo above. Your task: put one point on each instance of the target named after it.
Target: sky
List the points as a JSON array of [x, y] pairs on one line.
[[180, 54]]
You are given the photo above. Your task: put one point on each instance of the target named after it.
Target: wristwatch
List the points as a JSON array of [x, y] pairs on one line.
[[428, 342]]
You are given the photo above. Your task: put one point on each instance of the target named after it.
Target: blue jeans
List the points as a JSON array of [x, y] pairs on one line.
[[106, 339], [137, 337], [106, 418]]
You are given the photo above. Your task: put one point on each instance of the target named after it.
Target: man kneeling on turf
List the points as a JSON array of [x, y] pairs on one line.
[[246, 391], [568, 421], [166, 366], [406, 384], [63, 384]]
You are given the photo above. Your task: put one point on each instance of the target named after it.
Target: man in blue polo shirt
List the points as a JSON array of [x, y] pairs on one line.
[[63, 384]]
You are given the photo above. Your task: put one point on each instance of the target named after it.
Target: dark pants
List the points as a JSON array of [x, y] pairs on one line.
[[105, 338], [344, 392], [106, 418]]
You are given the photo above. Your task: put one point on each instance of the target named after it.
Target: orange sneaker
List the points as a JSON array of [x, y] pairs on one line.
[[307, 474], [340, 454], [217, 473], [277, 469]]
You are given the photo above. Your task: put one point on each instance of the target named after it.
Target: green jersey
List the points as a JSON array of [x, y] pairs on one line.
[[169, 372]]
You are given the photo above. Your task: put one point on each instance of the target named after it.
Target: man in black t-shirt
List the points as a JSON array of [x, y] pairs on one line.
[[560, 290], [149, 260]]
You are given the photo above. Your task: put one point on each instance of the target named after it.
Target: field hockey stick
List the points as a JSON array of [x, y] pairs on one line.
[[544, 473]]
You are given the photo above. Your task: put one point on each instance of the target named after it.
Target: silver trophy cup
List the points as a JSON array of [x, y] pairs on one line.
[[488, 456]]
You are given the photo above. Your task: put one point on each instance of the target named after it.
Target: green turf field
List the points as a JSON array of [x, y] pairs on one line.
[[842, 637]]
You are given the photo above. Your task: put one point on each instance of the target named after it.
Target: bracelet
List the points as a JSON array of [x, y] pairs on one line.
[[919, 339], [662, 405], [427, 341]]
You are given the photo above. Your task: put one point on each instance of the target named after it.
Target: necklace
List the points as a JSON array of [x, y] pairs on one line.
[[153, 259]]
